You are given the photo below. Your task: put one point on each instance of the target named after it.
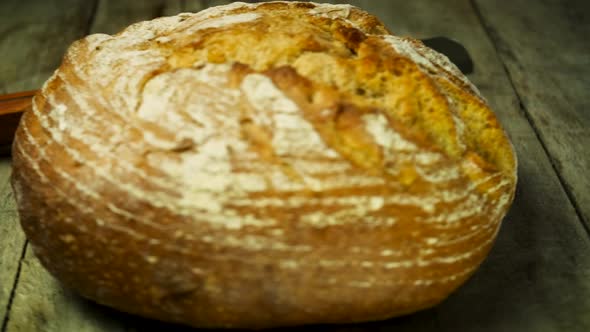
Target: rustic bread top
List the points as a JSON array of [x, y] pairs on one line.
[[317, 97], [300, 129]]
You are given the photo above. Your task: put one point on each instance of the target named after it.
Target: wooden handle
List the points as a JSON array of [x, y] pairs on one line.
[[11, 108]]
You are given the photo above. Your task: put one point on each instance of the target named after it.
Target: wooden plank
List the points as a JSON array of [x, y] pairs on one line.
[[40, 303], [173, 7], [12, 240], [212, 3], [195, 5], [114, 15], [6, 199], [33, 37], [545, 49], [536, 277]]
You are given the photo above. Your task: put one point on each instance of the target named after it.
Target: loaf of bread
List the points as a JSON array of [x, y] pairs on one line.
[[259, 165]]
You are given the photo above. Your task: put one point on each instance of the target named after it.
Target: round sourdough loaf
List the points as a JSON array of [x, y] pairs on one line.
[[258, 165]]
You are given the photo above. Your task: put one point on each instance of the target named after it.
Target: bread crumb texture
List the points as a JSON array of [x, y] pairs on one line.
[[258, 165]]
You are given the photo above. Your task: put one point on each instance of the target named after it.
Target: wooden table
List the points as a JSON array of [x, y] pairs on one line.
[[532, 62]]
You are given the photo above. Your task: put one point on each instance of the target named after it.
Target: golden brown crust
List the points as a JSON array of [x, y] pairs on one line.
[[261, 165]]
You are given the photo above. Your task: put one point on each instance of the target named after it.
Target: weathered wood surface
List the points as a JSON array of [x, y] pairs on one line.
[[12, 239], [32, 42], [196, 5], [34, 36], [112, 16], [39, 303], [546, 51], [536, 278]]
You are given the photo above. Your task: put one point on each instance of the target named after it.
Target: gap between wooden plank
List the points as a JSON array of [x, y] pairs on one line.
[[14, 286], [535, 276], [498, 43], [5, 207], [37, 300], [6, 317], [375, 326], [10, 257], [34, 47]]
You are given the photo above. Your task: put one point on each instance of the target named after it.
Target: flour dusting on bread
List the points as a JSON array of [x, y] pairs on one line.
[[259, 165]]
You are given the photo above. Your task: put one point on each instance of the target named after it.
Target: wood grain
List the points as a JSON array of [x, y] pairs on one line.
[[536, 276], [15, 102], [549, 65], [197, 5], [541, 253], [112, 16], [40, 303], [12, 239], [33, 38]]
